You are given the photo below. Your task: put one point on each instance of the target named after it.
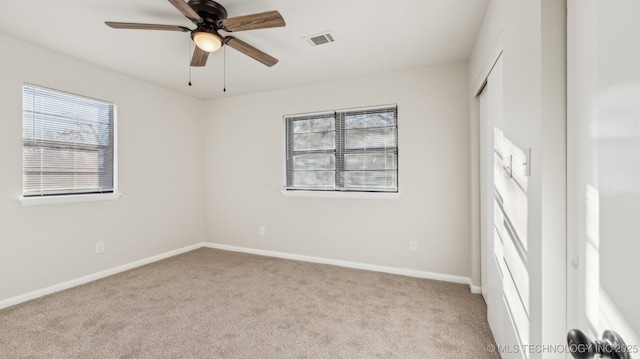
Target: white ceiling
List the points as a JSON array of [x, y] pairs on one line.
[[372, 37]]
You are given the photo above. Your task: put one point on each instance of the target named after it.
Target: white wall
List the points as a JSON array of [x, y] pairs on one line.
[[161, 175], [531, 35], [244, 175]]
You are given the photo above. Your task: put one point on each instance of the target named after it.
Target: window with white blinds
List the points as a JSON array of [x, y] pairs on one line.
[[348, 150], [68, 143]]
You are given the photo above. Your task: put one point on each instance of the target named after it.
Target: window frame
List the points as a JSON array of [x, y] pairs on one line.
[[339, 190], [73, 196]]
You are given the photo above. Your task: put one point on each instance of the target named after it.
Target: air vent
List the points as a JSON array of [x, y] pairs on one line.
[[320, 39]]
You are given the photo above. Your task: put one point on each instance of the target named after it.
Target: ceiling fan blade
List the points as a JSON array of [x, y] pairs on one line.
[[199, 58], [250, 51], [186, 10], [137, 26], [261, 20]]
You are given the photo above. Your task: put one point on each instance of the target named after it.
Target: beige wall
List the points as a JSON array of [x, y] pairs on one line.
[[160, 174], [185, 180], [244, 175]]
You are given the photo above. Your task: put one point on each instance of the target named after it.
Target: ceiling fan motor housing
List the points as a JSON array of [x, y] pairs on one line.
[[210, 11]]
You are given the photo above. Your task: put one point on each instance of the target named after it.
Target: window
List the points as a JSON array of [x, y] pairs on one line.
[[67, 144], [352, 150]]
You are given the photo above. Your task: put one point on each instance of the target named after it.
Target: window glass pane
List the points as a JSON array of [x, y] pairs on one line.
[[62, 160], [314, 141], [60, 129], [63, 183], [370, 180], [320, 161], [314, 179], [314, 125], [385, 119], [370, 161], [371, 138]]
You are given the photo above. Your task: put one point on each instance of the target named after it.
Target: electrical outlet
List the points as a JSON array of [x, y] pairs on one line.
[[99, 247], [413, 246], [263, 231]]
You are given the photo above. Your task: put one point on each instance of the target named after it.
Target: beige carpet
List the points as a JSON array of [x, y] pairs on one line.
[[216, 304]]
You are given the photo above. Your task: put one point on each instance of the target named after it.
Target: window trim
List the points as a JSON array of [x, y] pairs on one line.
[[31, 200], [342, 194], [337, 193], [65, 199]]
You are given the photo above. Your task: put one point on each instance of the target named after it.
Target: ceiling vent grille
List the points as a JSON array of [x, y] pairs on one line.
[[320, 39]]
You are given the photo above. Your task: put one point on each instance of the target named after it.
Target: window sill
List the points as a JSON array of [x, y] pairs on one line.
[[79, 198], [335, 194]]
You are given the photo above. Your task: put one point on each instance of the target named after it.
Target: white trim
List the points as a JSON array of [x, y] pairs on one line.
[[297, 257], [370, 267], [368, 108], [475, 289], [92, 277], [341, 194], [308, 114], [115, 150], [348, 109], [493, 57], [78, 198]]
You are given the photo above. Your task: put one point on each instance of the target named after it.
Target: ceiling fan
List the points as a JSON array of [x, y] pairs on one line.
[[210, 17]]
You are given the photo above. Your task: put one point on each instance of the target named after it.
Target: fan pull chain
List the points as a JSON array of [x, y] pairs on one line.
[[189, 60], [224, 70]]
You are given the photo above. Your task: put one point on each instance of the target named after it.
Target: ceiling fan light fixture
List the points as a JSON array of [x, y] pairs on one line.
[[207, 41], [209, 17]]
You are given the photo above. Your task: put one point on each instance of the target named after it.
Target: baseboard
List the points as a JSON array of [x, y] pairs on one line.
[[348, 264], [91, 277], [103, 274]]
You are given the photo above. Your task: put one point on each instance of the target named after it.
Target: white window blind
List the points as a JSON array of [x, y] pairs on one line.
[[346, 150], [68, 143]]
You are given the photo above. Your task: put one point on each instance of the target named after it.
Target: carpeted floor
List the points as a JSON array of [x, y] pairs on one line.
[[216, 304]]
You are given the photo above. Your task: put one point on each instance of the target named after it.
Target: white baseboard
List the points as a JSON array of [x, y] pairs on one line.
[[348, 264], [99, 275], [91, 277]]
